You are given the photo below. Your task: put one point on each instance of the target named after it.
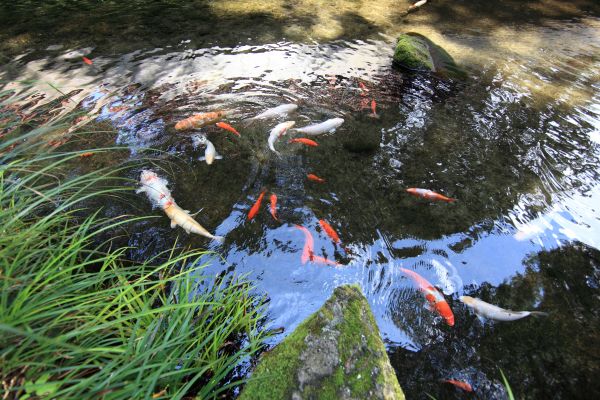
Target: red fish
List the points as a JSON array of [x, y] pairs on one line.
[[374, 109], [87, 61], [329, 230], [256, 205], [435, 298], [305, 141], [227, 127], [274, 206], [459, 384], [308, 250], [363, 89], [323, 260], [86, 154], [314, 178], [429, 195]]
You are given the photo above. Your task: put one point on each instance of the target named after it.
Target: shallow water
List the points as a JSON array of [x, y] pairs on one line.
[[517, 143]]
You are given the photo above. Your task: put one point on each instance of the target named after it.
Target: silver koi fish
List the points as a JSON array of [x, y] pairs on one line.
[[316, 129], [496, 313], [278, 131], [276, 111]]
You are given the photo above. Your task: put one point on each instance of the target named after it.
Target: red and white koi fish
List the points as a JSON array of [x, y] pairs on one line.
[[278, 131], [496, 313], [363, 89], [87, 60], [256, 205], [305, 141], [429, 195], [199, 120], [274, 206], [459, 384], [326, 261], [228, 127], [314, 178], [329, 231], [435, 298], [309, 243]]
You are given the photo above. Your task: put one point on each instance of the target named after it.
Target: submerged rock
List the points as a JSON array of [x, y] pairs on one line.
[[418, 53], [336, 353]]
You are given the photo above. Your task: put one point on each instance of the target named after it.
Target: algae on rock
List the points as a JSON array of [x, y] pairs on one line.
[[418, 53], [336, 353]]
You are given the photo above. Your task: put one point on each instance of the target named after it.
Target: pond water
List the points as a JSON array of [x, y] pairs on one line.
[[517, 143]]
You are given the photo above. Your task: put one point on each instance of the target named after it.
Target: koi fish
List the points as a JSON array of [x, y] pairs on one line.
[[305, 141], [374, 109], [429, 195], [433, 296], [256, 205], [228, 127], [496, 313], [459, 384], [274, 206], [314, 178], [199, 120], [329, 230], [323, 260], [87, 60], [363, 89], [316, 129], [86, 154], [417, 5], [307, 251], [279, 130], [276, 111], [156, 189], [210, 153]]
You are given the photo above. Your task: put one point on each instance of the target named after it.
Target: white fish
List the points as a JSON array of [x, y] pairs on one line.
[[210, 153], [278, 131], [496, 313], [276, 111], [316, 129], [155, 188]]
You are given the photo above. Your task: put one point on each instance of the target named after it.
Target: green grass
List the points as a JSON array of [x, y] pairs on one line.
[[77, 320]]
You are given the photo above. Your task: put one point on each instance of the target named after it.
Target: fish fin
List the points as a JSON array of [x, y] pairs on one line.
[[187, 212], [173, 224], [451, 200], [202, 158], [539, 314], [374, 116], [140, 190], [218, 157], [218, 239]]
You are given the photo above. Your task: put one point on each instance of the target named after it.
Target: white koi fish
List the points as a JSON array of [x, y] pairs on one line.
[[157, 191], [276, 111], [210, 153], [277, 132], [316, 129], [496, 313]]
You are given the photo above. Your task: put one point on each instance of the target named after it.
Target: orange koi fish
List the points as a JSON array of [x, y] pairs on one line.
[[227, 127], [86, 154], [329, 230], [374, 109], [435, 298], [87, 61], [274, 206], [307, 251], [459, 384], [199, 120], [305, 141], [363, 89], [429, 195], [326, 261], [256, 205], [314, 178]]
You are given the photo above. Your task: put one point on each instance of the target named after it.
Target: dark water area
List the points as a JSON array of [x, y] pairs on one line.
[[517, 143]]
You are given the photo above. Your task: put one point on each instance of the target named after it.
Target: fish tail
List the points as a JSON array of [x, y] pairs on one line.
[[218, 239], [374, 115], [539, 314]]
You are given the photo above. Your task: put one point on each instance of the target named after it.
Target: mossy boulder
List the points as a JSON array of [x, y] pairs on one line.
[[417, 53], [336, 353]]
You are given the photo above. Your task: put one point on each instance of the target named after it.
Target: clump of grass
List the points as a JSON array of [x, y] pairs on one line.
[[79, 321]]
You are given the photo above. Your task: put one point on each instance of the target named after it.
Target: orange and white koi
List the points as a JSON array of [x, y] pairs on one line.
[[459, 384], [309, 243], [305, 141], [87, 61], [199, 120], [86, 154], [228, 127], [256, 206], [278, 131], [433, 296], [314, 178], [363, 89], [274, 206], [329, 231], [429, 195]]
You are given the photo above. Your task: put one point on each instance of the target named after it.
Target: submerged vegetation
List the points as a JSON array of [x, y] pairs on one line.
[[79, 320]]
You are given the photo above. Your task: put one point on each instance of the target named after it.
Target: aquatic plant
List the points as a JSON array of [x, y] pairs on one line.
[[79, 320]]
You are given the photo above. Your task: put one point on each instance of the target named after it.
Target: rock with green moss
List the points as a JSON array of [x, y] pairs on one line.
[[418, 53], [336, 353]]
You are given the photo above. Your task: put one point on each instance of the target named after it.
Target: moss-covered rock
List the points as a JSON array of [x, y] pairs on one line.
[[336, 353], [418, 53]]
